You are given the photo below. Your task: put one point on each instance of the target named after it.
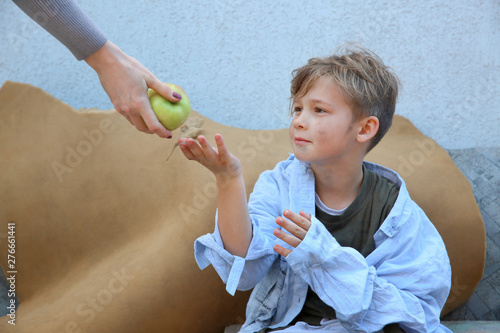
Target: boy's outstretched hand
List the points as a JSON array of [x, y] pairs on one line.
[[234, 221], [297, 225], [220, 161]]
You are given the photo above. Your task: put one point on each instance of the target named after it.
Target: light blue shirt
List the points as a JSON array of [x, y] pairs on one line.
[[405, 280]]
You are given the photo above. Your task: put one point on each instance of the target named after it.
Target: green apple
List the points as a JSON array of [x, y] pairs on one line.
[[170, 114]]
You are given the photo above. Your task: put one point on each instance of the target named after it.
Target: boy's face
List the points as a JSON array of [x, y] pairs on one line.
[[322, 130]]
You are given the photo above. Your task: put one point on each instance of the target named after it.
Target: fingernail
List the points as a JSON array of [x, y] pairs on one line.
[[177, 95]]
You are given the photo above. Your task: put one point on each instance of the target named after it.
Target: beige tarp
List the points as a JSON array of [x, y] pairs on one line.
[[105, 225]]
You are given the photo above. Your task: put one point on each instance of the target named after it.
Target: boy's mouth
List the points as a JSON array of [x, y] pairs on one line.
[[298, 140]]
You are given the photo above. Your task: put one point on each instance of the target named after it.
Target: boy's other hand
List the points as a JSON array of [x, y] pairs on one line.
[[297, 225], [220, 161]]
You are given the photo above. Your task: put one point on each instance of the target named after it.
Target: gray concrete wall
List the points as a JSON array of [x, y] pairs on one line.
[[234, 58]]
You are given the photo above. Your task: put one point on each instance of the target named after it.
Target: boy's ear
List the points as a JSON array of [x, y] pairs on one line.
[[368, 128]]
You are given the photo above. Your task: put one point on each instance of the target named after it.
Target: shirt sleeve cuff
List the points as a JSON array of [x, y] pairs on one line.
[[314, 249]]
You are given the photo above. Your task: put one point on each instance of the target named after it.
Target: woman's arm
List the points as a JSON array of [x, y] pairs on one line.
[[67, 22], [124, 79]]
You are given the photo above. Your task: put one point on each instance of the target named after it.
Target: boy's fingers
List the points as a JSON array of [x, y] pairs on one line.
[[195, 149], [300, 221], [281, 250], [304, 214], [186, 151], [206, 147], [292, 240], [307, 222], [221, 148]]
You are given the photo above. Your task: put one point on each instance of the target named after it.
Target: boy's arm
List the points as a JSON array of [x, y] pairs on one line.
[[233, 218]]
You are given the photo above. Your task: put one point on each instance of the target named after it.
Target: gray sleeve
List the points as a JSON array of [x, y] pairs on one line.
[[67, 22]]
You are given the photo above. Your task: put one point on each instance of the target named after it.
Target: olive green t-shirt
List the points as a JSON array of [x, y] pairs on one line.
[[354, 228]]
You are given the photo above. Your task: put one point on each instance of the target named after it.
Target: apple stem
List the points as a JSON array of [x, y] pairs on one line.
[[172, 151]]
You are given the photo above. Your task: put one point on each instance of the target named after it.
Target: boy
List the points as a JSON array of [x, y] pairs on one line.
[[328, 242]]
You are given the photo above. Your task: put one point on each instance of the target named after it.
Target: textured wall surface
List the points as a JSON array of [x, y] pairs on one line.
[[234, 58]]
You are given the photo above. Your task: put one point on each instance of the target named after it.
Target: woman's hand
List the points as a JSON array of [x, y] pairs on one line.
[[126, 81]]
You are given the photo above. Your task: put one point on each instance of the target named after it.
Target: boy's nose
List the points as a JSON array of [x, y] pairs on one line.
[[300, 121]]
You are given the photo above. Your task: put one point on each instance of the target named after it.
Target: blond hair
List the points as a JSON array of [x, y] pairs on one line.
[[369, 86]]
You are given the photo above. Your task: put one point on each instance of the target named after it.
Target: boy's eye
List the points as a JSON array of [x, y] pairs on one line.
[[318, 110], [297, 109]]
